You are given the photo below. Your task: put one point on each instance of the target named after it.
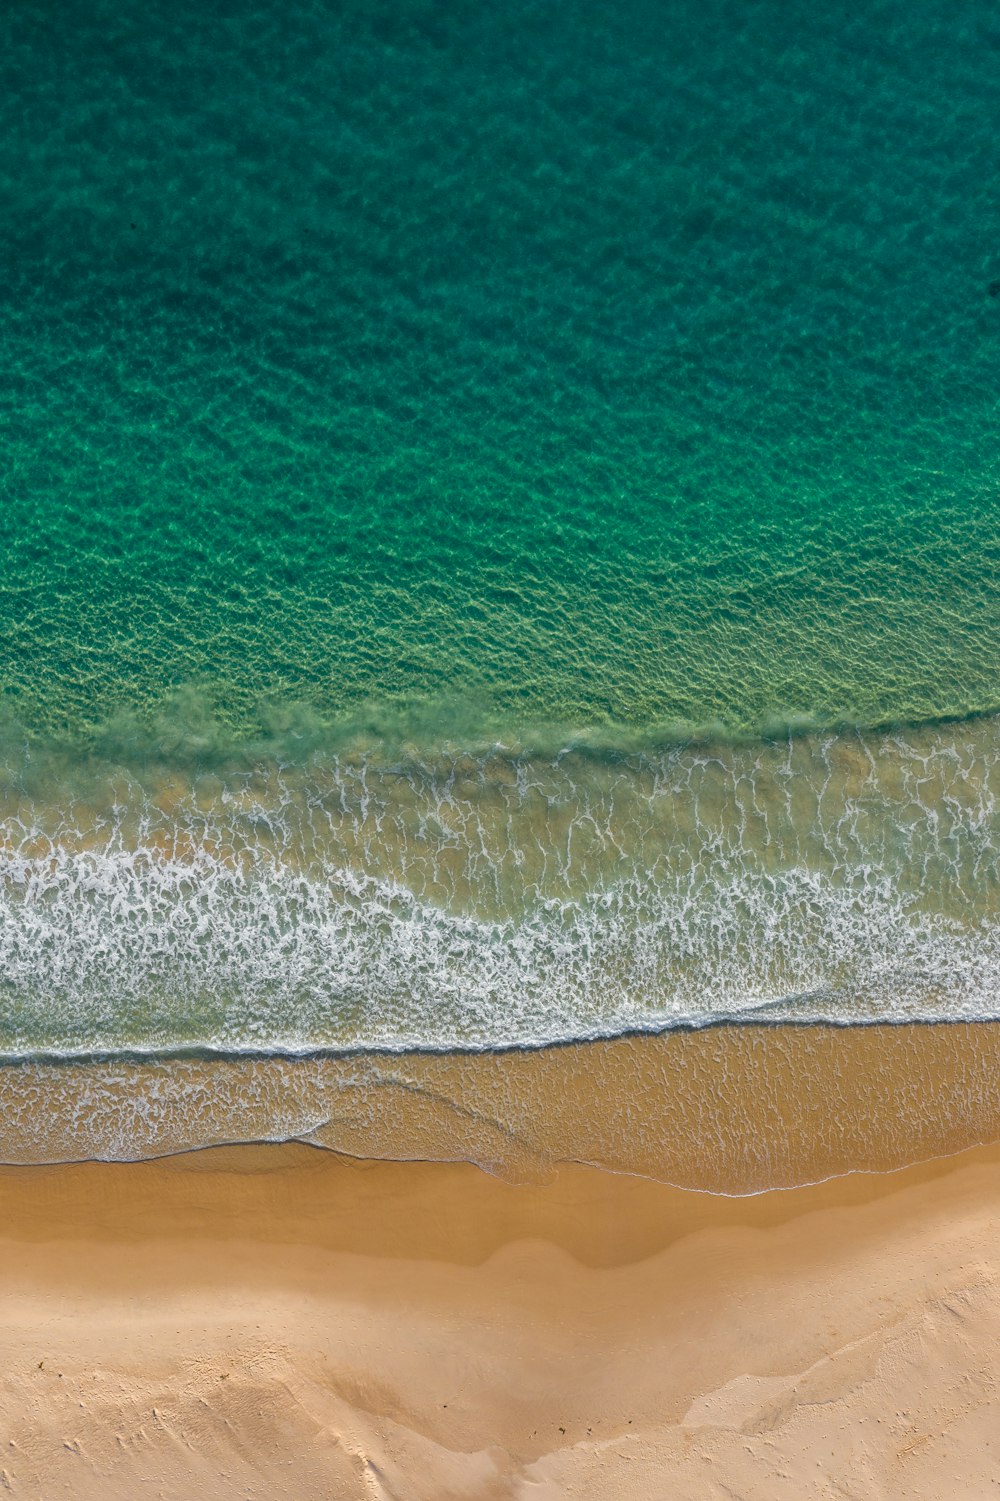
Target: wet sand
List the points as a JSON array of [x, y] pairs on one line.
[[734, 1110], [279, 1322]]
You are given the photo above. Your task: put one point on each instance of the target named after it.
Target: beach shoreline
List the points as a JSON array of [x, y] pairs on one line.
[[730, 1109]]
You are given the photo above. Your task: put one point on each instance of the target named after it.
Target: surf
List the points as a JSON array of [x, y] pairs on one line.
[[463, 902]]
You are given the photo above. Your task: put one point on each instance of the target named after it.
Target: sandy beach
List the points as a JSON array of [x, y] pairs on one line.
[[282, 1322], [500, 751]]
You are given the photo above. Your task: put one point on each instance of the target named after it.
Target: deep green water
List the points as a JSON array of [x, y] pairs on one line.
[[450, 365], [419, 420]]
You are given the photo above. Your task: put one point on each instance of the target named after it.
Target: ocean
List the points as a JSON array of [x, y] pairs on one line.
[[500, 540]]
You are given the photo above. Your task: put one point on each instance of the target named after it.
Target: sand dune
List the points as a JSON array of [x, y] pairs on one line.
[[277, 1322]]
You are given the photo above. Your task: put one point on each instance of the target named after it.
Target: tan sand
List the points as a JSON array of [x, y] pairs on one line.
[[282, 1323]]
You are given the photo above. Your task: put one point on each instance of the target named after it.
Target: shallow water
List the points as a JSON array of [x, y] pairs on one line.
[[731, 1109]]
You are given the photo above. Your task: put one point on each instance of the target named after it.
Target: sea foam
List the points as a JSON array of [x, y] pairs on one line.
[[503, 902]]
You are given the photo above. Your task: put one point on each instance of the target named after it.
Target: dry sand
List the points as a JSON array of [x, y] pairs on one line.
[[281, 1323]]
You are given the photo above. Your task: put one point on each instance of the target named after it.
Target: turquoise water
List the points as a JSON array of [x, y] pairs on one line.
[[472, 367], [499, 521]]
